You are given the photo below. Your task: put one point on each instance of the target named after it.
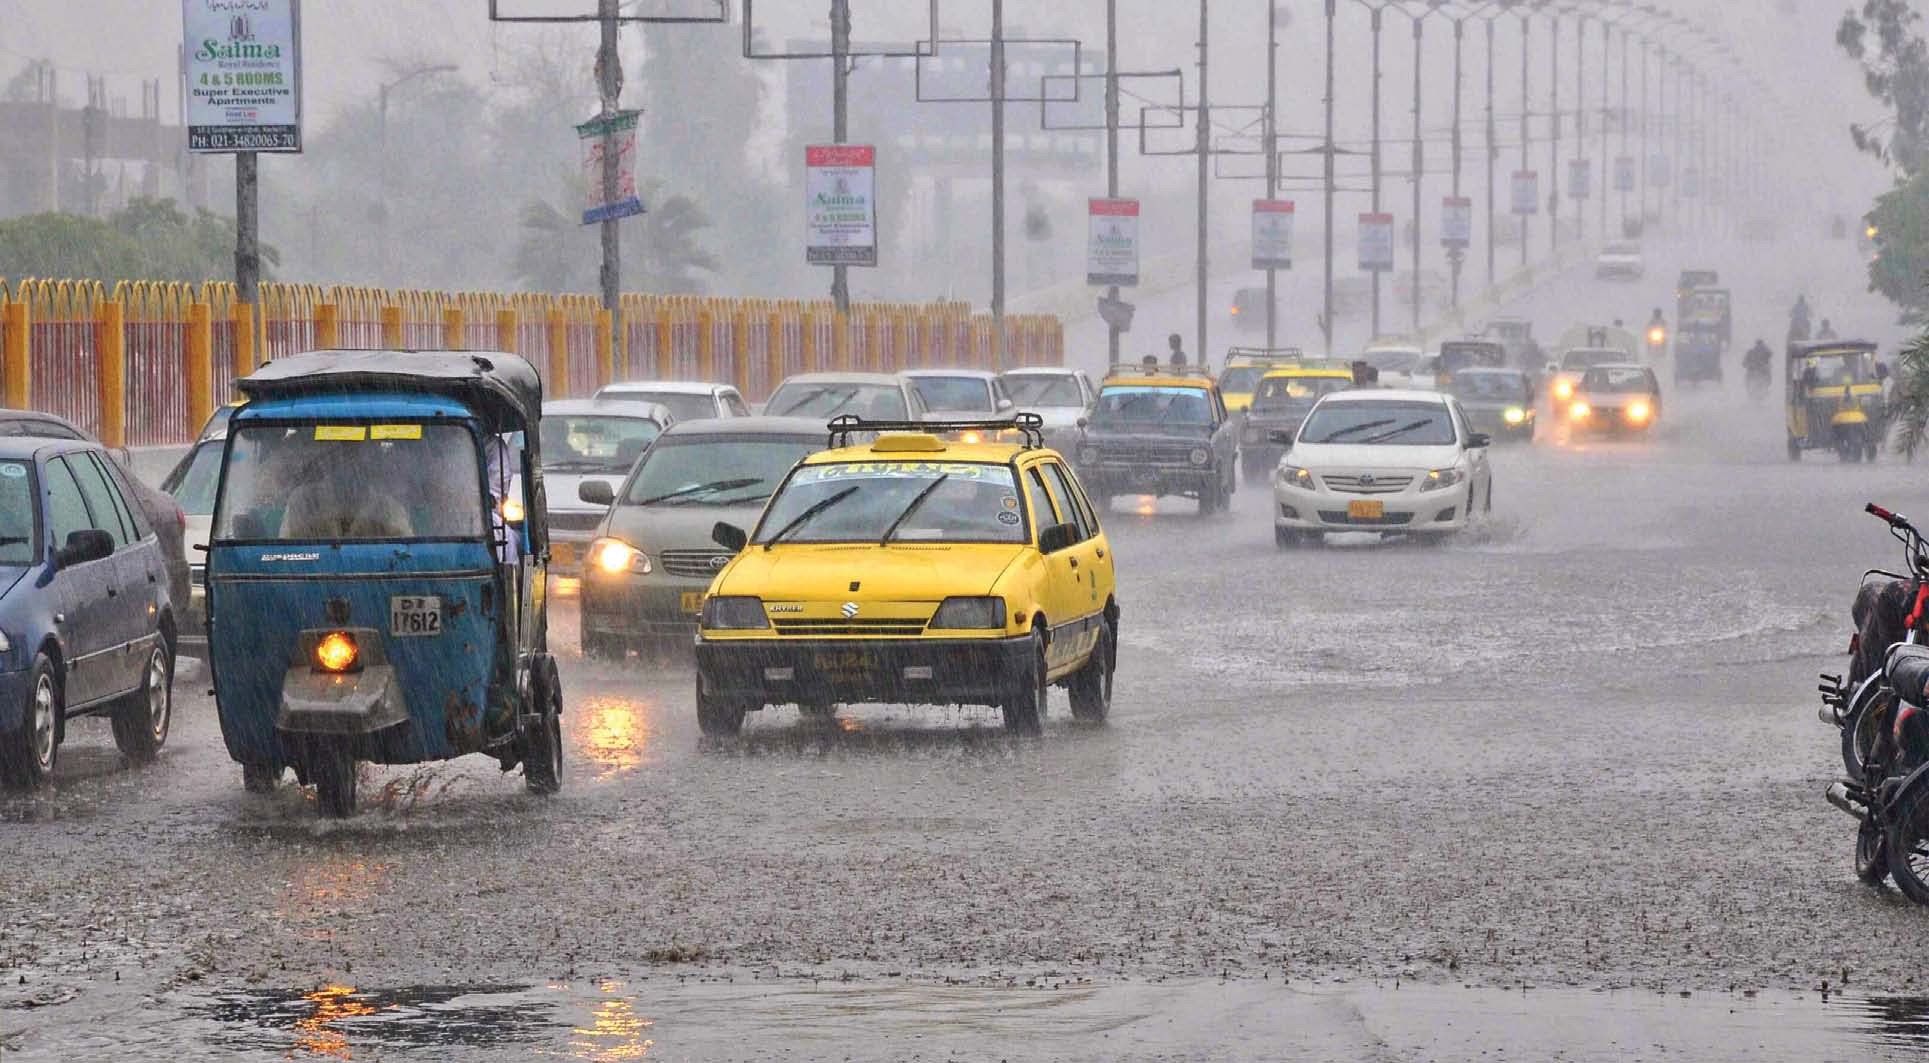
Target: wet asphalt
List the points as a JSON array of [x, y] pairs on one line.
[[1574, 754]]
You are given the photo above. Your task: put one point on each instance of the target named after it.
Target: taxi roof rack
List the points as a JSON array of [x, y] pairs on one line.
[[1262, 353], [1190, 369], [1031, 425]]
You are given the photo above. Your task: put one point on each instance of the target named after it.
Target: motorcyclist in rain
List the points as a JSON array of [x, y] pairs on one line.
[[1798, 320], [1826, 332], [1756, 365], [1657, 331]]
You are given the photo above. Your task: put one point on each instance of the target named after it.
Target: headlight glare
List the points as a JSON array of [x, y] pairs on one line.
[[1514, 415], [969, 614], [1579, 411], [1563, 389], [734, 612], [337, 652], [1441, 479], [1639, 411], [615, 557]]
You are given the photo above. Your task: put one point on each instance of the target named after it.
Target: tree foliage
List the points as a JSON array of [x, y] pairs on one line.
[[661, 251], [146, 240], [1883, 36]]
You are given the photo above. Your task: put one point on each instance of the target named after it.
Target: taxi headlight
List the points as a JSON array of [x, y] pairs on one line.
[[1579, 411], [1514, 415], [1441, 479], [1296, 476], [1563, 389], [734, 612], [962, 614], [1639, 411], [1199, 456], [337, 652], [615, 557]]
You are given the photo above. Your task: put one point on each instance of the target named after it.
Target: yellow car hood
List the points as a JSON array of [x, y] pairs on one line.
[[925, 572]]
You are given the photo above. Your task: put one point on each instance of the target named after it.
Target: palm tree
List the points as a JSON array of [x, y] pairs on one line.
[[1909, 404], [661, 249]]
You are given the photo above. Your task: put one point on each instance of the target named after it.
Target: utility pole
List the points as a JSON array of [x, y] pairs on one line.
[[247, 229], [1112, 148], [1376, 156], [1326, 153], [1554, 136], [998, 181], [1644, 166], [1526, 118], [840, 123], [1493, 158], [1205, 172], [1456, 256], [1580, 122], [1606, 167], [609, 85], [1272, 160], [1419, 166]]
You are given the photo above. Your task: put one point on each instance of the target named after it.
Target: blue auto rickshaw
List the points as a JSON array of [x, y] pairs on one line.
[[376, 570]]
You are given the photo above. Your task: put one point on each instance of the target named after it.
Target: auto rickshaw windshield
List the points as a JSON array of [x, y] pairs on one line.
[[345, 482], [1852, 367]]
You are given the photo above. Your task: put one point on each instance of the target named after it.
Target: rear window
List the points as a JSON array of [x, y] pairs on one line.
[[954, 394], [829, 398], [1615, 381]]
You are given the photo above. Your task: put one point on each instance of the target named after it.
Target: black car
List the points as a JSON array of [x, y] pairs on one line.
[[1279, 404], [1159, 435], [166, 518], [1498, 402], [86, 621]]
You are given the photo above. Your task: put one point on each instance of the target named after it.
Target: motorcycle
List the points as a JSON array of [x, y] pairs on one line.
[[1759, 381]]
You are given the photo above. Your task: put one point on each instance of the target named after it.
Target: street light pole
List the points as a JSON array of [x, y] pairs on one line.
[[609, 86], [840, 123], [1554, 137], [1112, 148], [1272, 161], [1326, 153], [1526, 119], [1419, 159], [1376, 155], [998, 181], [1493, 157], [1456, 255], [1205, 175]]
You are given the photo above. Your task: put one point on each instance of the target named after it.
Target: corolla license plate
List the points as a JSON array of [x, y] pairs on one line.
[[414, 615], [1366, 509], [691, 602]]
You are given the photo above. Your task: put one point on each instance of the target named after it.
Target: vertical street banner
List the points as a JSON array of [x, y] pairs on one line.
[[1580, 178], [1272, 234], [1112, 243], [616, 134], [1691, 183], [1376, 242], [1624, 173], [1456, 222], [1527, 192], [840, 205], [1659, 171], [241, 65]]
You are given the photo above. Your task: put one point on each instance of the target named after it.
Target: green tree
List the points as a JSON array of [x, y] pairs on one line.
[[661, 250], [1883, 36], [146, 240]]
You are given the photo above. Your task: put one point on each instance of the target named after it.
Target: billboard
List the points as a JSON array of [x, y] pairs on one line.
[[1580, 178], [1112, 242], [1527, 192], [1376, 242], [1456, 221], [840, 205], [612, 134], [1272, 234], [241, 64]]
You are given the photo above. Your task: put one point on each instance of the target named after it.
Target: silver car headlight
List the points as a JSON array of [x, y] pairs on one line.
[[1295, 476], [614, 557], [1441, 479]]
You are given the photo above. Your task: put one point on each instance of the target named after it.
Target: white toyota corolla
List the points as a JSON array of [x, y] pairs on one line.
[[1401, 462]]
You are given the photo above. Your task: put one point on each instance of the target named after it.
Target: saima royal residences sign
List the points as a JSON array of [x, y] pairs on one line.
[[242, 63], [840, 210]]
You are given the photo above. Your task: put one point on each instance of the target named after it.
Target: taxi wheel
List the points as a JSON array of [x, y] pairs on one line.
[[1091, 688], [28, 753], [140, 720], [715, 716], [1025, 707]]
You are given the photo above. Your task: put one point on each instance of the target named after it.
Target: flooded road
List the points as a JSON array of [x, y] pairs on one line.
[[1544, 780]]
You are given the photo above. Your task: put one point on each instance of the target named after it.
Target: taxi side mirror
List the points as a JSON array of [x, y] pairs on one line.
[[1056, 538], [729, 536], [596, 492]]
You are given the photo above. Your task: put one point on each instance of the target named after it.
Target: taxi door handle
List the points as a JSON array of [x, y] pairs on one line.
[[1073, 560]]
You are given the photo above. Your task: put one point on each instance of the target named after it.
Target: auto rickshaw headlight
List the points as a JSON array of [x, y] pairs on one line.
[[1657, 336], [615, 557], [512, 511], [1514, 415], [337, 652], [734, 612]]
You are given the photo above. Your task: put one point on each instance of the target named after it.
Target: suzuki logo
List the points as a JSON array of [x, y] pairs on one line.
[[850, 610]]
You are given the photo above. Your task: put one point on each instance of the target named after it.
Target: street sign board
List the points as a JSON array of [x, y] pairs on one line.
[[242, 69], [1376, 242], [1624, 173], [1112, 243], [1456, 221], [1580, 178], [1272, 234], [840, 204], [1527, 192], [613, 133]]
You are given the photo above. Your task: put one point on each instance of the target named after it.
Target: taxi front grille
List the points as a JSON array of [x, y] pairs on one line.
[[1367, 485], [907, 625]]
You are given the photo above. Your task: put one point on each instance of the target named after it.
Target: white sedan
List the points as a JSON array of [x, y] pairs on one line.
[[1401, 462]]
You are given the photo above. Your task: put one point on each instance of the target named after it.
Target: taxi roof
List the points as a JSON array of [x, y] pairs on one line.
[[1323, 372], [1169, 381], [993, 453]]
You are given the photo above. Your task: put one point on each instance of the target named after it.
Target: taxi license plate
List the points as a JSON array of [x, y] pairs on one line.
[[691, 602], [414, 615], [842, 665], [562, 553], [1366, 509]]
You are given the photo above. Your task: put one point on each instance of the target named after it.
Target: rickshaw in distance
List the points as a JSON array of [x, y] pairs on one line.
[[376, 570], [1835, 399]]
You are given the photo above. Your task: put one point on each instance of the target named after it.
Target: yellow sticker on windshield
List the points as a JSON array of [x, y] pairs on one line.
[[340, 433], [395, 431]]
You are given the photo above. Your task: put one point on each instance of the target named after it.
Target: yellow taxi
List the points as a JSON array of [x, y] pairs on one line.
[[1244, 368], [911, 568]]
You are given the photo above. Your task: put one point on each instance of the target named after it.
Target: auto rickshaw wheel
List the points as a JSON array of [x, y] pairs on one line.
[[331, 767], [542, 756]]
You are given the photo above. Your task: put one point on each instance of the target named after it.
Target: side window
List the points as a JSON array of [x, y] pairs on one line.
[[1459, 421], [1062, 488], [124, 494], [735, 402], [1041, 504], [1218, 406], [66, 513], [100, 499], [1055, 487]]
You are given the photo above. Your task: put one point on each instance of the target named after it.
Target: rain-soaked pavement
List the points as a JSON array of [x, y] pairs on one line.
[[1552, 791]]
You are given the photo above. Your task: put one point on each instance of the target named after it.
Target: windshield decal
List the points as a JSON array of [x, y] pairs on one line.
[[889, 469], [395, 431], [340, 433]]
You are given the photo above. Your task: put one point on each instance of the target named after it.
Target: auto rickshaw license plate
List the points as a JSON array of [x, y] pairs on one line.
[[1366, 509], [414, 615], [691, 601]]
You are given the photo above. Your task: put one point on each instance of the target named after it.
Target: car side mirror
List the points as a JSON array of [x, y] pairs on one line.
[[1280, 436], [729, 536], [84, 546], [1056, 538], [596, 492], [1476, 440]]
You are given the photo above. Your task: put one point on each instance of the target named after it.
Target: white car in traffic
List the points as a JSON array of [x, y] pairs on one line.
[[1391, 461]]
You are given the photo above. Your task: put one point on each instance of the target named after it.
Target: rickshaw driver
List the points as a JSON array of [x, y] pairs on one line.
[[342, 495]]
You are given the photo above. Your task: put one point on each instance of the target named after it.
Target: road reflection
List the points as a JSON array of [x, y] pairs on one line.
[[319, 1034], [615, 1031], [611, 733]]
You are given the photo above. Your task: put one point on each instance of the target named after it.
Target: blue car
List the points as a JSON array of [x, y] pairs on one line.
[[86, 621]]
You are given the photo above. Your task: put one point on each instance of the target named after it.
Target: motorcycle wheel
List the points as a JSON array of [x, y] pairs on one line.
[[1871, 852], [1908, 844], [1860, 731]]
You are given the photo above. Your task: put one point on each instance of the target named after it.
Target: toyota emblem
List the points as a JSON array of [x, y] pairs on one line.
[[850, 610], [719, 561], [1367, 480]]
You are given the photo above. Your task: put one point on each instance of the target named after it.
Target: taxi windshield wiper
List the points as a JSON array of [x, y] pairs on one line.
[[1400, 431], [885, 539], [714, 485], [817, 507], [1351, 429]]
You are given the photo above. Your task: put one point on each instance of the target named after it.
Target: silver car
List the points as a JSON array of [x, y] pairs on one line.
[[589, 439]]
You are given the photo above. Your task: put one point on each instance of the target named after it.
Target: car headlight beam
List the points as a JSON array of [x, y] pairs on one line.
[[614, 557], [1296, 476], [1441, 479], [1514, 415]]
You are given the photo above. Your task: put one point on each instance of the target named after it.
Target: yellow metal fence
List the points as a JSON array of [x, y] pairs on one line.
[[145, 363]]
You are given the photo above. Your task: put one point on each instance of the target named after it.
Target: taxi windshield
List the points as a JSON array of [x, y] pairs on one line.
[[1044, 389], [1241, 378], [1153, 404], [1296, 390], [575, 443], [1379, 424], [19, 543], [348, 482], [955, 394], [904, 501], [709, 470], [1503, 387], [829, 398]]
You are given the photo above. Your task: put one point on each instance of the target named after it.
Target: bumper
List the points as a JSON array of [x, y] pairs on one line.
[[1320, 510], [640, 606], [1158, 480], [771, 671]]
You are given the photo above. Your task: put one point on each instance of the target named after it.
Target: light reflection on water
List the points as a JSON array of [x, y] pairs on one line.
[[615, 1031], [320, 1033], [611, 733]]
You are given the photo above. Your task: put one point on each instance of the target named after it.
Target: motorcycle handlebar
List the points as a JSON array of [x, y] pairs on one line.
[[1894, 520]]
